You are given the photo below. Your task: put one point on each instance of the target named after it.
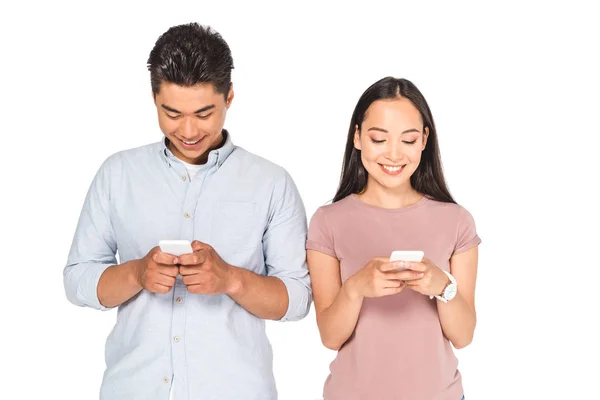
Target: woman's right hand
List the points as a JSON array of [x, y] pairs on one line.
[[378, 278]]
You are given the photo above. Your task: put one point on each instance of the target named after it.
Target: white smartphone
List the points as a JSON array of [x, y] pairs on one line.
[[175, 247], [406, 255]]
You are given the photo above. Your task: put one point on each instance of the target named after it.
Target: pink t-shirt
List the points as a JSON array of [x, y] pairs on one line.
[[398, 350]]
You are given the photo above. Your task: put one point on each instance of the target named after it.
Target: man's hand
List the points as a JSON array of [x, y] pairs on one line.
[[205, 272], [157, 271]]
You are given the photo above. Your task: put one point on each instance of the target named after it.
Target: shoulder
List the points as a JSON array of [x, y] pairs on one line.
[[251, 163], [132, 155], [332, 212], [452, 211]]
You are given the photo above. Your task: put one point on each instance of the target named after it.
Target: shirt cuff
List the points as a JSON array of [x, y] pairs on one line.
[[299, 300], [81, 283]]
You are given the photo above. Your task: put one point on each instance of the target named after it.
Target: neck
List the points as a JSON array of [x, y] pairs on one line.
[[379, 196], [204, 157]]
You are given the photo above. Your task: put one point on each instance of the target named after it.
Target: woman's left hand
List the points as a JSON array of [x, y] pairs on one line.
[[433, 282]]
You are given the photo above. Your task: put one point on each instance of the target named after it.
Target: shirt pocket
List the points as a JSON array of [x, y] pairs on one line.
[[235, 227]]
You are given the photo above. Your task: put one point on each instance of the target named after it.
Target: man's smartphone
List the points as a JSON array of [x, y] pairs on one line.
[[406, 255], [175, 247]]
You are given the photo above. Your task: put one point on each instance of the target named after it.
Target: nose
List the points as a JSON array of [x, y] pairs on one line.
[[395, 153], [187, 129]]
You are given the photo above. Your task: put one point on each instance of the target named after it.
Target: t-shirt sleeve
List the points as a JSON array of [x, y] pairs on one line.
[[320, 236], [466, 234]]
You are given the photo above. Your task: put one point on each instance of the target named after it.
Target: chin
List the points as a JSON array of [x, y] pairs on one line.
[[391, 183]]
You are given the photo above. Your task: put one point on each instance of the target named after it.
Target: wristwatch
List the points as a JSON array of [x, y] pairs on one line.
[[449, 291]]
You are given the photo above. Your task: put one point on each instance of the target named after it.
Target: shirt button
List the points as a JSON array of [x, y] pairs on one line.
[[183, 177], [220, 163], [166, 380], [176, 339], [179, 300], [187, 215]]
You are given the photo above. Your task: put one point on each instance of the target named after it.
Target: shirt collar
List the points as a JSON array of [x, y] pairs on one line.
[[215, 157]]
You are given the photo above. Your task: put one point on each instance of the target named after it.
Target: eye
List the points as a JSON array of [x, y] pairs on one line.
[[172, 116], [204, 116], [377, 141], [413, 142]]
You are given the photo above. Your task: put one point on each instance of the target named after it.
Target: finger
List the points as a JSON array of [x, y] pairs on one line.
[[168, 270], [198, 245], [189, 270], [406, 275], [195, 258], [394, 283], [163, 289], [164, 258], [416, 288], [196, 289], [165, 280], [389, 266], [417, 266], [194, 279], [391, 291]]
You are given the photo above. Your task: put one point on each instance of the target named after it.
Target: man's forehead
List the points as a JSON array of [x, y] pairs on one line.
[[188, 99]]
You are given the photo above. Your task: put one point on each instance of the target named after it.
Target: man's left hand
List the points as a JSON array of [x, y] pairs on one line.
[[205, 272]]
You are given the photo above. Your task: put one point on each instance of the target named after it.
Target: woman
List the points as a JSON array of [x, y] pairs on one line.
[[393, 322]]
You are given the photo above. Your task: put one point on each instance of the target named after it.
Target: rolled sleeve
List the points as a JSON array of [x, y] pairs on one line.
[[284, 245], [94, 248], [300, 298], [81, 284]]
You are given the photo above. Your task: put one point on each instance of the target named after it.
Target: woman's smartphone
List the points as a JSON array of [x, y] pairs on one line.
[[406, 255]]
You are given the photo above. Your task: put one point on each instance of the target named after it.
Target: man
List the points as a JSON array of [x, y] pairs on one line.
[[191, 325]]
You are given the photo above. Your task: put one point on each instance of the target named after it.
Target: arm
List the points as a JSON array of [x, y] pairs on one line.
[[118, 284], [284, 294], [284, 248], [264, 296], [458, 317], [338, 305], [337, 308], [94, 247], [92, 277], [156, 272]]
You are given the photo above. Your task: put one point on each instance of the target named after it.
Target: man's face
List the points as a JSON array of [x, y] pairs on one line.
[[192, 118]]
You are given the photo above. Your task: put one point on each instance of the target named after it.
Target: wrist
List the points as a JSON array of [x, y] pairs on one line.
[[350, 289], [445, 284], [135, 273], [234, 282]]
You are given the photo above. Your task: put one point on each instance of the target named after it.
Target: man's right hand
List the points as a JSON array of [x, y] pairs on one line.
[[157, 271]]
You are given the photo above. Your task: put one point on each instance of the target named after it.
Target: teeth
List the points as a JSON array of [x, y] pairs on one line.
[[191, 143], [392, 169]]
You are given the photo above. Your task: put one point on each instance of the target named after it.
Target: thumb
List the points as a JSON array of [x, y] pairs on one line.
[[198, 245]]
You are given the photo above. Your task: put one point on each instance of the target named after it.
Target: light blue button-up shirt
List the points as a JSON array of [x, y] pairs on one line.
[[207, 346]]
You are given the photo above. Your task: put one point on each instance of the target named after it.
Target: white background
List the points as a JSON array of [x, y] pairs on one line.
[[514, 93]]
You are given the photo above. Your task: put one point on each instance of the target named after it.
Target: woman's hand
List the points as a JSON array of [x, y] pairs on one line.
[[432, 283], [378, 278]]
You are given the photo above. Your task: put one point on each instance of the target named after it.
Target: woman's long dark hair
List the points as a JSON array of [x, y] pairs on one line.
[[428, 179]]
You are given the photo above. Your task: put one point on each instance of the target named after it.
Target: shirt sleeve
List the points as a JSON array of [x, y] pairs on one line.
[[466, 233], [284, 247], [320, 237], [94, 247]]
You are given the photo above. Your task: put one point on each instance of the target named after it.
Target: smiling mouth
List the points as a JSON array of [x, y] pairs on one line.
[[190, 143], [392, 169]]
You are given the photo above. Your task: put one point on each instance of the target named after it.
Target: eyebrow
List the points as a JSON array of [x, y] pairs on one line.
[[374, 128], [195, 112]]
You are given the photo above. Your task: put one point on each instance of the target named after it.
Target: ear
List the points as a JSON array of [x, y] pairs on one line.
[[230, 95], [357, 138], [425, 137]]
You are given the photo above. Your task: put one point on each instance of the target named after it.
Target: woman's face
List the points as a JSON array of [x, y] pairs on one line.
[[391, 140]]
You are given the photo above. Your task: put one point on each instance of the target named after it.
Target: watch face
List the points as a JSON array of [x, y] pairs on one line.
[[450, 292]]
